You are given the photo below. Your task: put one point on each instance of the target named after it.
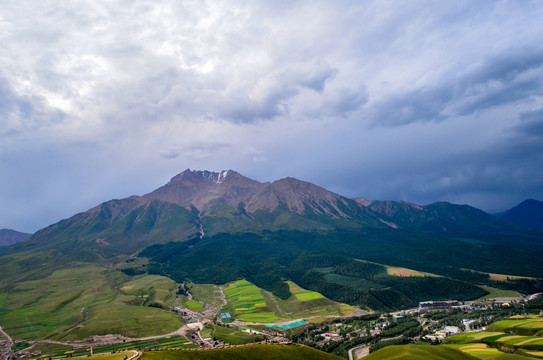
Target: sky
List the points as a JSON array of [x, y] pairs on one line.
[[419, 101]]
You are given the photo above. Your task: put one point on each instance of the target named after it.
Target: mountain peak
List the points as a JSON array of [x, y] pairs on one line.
[[199, 187], [210, 176], [527, 213]]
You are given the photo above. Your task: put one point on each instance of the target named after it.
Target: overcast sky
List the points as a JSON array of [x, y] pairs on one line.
[[418, 101]]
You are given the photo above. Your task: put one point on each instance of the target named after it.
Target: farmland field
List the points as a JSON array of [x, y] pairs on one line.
[[523, 326], [247, 302]]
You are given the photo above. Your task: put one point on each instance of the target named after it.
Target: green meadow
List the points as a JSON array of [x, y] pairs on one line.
[[78, 302], [419, 352], [250, 352], [249, 303]]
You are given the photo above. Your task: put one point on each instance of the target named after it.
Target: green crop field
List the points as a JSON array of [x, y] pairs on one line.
[[523, 326], [251, 352], [477, 350], [249, 303], [474, 337]]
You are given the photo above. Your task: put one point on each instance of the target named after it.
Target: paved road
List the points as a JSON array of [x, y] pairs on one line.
[[9, 342]]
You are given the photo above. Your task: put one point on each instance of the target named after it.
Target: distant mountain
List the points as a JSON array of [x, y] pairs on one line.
[[10, 237], [441, 217], [527, 213]]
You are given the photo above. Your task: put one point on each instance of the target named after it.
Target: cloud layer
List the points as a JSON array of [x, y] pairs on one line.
[[413, 101]]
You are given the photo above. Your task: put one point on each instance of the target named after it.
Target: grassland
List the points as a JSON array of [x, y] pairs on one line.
[[77, 302], [404, 272], [249, 303], [116, 356], [419, 352], [251, 352], [303, 294], [60, 351], [207, 293], [498, 293], [193, 305], [232, 336]]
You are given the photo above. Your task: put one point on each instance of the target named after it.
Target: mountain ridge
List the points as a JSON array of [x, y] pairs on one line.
[[207, 202], [9, 237]]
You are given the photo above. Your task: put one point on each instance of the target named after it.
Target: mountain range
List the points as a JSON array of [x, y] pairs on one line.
[[204, 202]]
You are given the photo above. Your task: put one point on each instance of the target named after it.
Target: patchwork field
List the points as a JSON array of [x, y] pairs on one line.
[[532, 325], [477, 350], [249, 303], [246, 302], [507, 337]]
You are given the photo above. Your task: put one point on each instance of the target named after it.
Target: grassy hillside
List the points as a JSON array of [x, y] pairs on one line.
[[419, 352], [250, 352], [78, 302]]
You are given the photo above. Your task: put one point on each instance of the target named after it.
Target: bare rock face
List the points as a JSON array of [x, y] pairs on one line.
[[199, 188], [298, 196]]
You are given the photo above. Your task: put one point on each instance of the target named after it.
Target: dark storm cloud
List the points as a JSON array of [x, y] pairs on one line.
[[531, 123], [497, 81]]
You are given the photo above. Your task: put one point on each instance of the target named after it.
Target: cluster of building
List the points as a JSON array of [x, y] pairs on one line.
[[4, 348], [188, 315]]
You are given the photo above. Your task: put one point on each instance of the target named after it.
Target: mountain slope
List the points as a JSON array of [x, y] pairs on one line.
[[10, 237], [199, 188], [528, 213]]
